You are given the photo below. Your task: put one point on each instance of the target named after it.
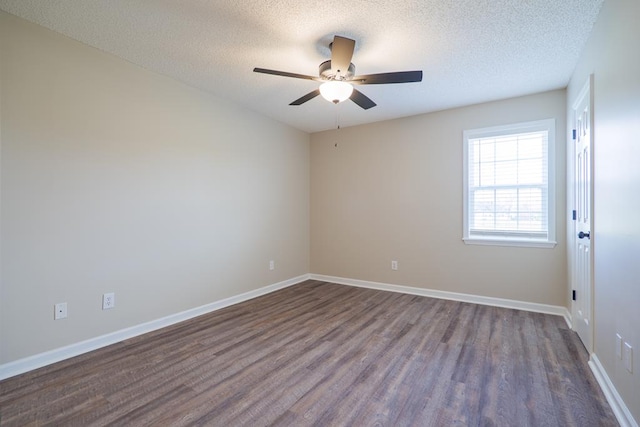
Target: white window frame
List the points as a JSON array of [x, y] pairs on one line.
[[513, 239]]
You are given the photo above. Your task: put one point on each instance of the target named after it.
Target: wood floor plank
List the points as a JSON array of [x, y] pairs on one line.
[[325, 354]]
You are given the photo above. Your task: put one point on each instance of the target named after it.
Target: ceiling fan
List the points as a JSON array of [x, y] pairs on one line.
[[337, 77]]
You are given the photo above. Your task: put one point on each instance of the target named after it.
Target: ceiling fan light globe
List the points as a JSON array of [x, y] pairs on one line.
[[336, 91]]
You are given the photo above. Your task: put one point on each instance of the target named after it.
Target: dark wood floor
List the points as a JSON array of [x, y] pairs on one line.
[[325, 354]]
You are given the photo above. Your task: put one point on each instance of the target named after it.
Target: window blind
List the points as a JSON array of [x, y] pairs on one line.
[[508, 185]]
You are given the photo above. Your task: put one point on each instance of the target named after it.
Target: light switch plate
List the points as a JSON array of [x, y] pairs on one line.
[[619, 346], [628, 357]]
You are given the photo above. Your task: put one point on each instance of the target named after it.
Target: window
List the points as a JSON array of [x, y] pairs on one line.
[[509, 196]]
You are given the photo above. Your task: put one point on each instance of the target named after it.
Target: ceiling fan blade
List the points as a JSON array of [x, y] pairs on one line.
[[385, 78], [306, 98], [341, 53], [285, 74], [362, 100]]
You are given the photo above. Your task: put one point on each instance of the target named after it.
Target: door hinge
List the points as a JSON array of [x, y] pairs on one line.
[[574, 214], [573, 295], [574, 134]]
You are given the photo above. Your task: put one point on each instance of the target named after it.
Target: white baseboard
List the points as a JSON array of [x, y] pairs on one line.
[[455, 296], [622, 413], [39, 360]]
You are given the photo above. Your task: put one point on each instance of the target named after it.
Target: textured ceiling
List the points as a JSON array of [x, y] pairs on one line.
[[471, 51]]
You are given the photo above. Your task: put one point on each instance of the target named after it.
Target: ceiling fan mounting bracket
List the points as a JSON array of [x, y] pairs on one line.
[[325, 72]]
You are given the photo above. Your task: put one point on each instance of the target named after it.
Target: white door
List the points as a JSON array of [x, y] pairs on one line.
[[582, 224]]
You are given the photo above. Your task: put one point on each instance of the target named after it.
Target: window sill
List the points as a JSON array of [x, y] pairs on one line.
[[510, 242]]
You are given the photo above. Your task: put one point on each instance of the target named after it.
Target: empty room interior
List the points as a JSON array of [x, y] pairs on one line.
[[299, 213]]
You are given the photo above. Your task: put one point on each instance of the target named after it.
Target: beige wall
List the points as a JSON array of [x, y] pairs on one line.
[[113, 178], [612, 56], [393, 191], [118, 179]]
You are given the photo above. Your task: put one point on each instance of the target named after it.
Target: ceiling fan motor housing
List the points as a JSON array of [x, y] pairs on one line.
[[326, 73]]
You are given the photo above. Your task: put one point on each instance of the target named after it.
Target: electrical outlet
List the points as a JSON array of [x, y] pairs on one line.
[[628, 357], [394, 265], [619, 346], [272, 265], [60, 311], [108, 301]]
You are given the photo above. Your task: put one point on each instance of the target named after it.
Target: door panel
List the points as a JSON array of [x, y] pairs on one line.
[[582, 236]]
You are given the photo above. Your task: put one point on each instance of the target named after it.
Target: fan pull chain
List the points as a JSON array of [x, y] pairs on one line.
[[337, 125]]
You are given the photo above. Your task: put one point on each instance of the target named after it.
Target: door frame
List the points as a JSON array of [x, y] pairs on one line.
[[571, 201]]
